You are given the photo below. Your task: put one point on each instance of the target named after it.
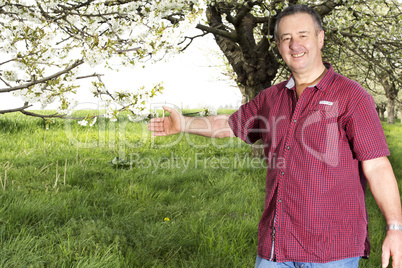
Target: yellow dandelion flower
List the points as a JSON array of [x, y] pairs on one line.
[[166, 219]]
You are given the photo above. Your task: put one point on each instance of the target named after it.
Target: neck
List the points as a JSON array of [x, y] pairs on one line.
[[308, 80]]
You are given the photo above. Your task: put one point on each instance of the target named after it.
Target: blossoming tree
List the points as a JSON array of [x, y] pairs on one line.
[[366, 45], [46, 41]]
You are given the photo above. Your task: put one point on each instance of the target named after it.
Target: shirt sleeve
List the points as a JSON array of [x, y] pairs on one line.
[[365, 131], [245, 122]]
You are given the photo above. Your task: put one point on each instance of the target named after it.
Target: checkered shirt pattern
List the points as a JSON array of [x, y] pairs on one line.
[[315, 190]]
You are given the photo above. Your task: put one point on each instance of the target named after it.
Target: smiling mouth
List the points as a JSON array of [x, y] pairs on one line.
[[298, 55]]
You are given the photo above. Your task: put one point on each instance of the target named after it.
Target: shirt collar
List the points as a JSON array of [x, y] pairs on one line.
[[322, 84]]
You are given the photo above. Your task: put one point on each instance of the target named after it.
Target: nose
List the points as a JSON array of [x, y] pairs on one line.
[[293, 44]]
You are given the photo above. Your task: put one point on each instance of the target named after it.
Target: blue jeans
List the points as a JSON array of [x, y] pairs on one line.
[[345, 263]]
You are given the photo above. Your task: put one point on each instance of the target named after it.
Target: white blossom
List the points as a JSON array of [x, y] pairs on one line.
[[93, 122], [83, 122], [208, 111]]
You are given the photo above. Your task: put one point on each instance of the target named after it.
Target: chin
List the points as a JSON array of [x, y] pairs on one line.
[[298, 68]]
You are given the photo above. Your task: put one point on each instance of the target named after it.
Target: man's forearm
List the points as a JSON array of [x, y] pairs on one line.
[[384, 188], [212, 126]]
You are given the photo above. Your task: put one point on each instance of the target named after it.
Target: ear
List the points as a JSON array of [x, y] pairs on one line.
[[321, 37]]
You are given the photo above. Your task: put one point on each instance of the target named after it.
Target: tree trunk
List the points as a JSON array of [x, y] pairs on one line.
[[400, 112], [391, 111], [244, 97], [391, 92], [382, 111], [255, 64], [381, 108]]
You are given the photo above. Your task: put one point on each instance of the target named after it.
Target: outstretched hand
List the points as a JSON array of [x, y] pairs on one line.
[[167, 125]]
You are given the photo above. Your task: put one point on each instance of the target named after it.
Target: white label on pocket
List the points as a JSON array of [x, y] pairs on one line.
[[326, 102]]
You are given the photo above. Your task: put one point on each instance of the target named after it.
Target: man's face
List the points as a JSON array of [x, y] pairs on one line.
[[299, 43]]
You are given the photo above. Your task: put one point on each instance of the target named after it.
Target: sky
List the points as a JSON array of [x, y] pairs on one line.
[[192, 79]]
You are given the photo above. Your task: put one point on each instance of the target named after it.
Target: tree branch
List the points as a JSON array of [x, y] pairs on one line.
[[26, 105], [4, 81], [245, 9], [90, 75], [55, 75], [45, 116], [191, 40], [121, 51], [327, 7], [231, 36]]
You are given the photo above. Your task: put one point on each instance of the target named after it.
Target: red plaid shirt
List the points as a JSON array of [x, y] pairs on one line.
[[315, 190]]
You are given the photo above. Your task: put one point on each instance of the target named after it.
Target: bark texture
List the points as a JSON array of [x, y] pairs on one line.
[[254, 63], [391, 92]]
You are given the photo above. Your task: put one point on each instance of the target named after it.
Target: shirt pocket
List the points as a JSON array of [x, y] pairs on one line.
[[319, 134]]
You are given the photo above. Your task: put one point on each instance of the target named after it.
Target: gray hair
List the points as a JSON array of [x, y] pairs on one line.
[[295, 10]]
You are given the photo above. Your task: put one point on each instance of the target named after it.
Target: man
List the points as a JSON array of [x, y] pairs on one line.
[[326, 129]]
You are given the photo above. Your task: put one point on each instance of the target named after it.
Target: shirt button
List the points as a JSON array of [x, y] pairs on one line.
[[294, 121], [288, 147], [280, 200], [283, 173]]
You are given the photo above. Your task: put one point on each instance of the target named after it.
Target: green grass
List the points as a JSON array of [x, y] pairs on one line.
[[63, 204], [377, 233]]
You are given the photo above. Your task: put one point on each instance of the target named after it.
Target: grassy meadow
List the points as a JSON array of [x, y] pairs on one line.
[[113, 196]]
